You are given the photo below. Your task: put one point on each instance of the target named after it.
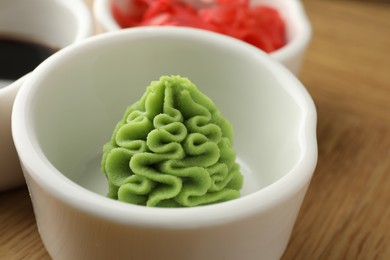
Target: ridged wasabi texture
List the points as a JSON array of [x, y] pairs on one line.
[[172, 148]]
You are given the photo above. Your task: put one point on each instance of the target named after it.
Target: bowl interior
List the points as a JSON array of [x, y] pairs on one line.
[[82, 93]]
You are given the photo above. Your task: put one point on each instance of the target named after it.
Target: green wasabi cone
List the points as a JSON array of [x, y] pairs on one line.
[[172, 148]]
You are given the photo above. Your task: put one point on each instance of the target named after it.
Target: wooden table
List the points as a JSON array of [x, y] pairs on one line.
[[346, 212]]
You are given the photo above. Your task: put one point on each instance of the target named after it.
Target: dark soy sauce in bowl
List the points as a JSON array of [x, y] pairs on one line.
[[20, 56]]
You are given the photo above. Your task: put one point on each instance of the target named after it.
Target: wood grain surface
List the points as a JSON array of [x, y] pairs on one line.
[[346, 212]]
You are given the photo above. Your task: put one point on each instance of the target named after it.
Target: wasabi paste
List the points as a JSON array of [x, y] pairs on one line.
[[172, 148]]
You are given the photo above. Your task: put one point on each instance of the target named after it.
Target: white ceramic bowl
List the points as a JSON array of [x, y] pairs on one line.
[[69, 107], [53, 23], [298, 28]]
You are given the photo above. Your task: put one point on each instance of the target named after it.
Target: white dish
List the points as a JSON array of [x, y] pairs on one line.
[[68, 108]]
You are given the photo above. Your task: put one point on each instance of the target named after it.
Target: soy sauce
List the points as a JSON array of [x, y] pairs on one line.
[[20, 56]]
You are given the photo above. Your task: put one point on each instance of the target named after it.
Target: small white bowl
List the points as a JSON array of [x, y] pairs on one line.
[[298, 28], [53, 23], [68, 108]]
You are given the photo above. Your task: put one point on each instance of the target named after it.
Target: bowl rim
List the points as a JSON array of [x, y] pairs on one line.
[[75, 196], [300, 42], [102, 12], [84, 18]]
